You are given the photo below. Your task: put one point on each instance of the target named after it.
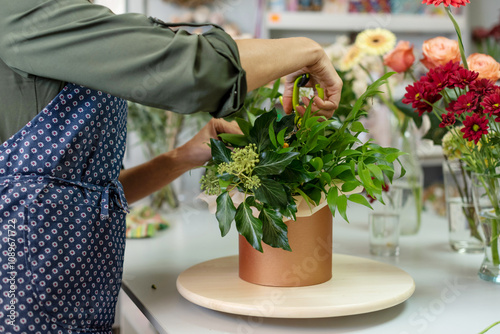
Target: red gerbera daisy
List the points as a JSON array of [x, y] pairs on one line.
[[468, 102], [448, 120], [446, 3], [491, 104], [482, 87], [474, 127], [418, 95], [463, 77]]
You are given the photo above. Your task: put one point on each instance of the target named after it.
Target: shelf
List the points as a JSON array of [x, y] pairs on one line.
[[397, 23]]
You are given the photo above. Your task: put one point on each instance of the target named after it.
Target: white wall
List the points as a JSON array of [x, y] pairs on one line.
[[484, 13]]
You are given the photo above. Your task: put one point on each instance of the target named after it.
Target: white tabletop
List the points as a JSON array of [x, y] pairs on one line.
[[449, 296]]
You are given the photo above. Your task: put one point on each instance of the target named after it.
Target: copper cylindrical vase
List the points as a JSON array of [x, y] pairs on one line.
[[309, 262]]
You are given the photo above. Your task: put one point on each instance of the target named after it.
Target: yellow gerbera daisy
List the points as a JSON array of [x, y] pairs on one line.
[[351, 58], [376, 42]]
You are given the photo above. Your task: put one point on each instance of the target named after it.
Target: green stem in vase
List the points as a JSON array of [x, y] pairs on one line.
[[491, 189], [490, 327]]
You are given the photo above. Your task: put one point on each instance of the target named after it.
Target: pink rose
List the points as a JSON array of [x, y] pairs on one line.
[[486, 66], [440, 51], [401, 58]]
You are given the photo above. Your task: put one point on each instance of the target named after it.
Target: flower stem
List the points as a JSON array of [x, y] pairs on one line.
[[459, 34], [490, 327]]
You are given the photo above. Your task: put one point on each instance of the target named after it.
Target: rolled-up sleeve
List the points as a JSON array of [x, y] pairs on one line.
[[131, 56]]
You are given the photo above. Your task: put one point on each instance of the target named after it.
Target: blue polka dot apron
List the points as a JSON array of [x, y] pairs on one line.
[[62, 216]]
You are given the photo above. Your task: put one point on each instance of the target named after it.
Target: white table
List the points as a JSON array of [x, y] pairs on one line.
[[449, 296]]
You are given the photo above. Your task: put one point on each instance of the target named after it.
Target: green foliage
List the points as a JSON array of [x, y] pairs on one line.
[[315, 157]]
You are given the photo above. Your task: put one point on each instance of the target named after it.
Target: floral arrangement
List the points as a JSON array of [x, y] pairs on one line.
[[280, 160], [462, 93]]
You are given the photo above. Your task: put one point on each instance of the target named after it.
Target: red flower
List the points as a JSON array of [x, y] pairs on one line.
[[482, 87], [448, 120], [446, 3], [468, 102], [491, 105], [417, 95], [474, 127], [463, 77]]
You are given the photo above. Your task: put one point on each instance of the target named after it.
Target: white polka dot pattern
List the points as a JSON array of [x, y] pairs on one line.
[[62, 216]]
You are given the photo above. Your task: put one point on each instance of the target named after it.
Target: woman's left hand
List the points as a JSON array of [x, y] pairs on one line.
[[196, 151]]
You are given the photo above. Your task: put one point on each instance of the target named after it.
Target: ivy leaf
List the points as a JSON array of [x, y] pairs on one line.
[[244, 125], [225, 212], [281, 137], [272, 163], [274, 230], [249, 226], [235, 139], [259, 134], [220, 152], [272, 134], [360, 199], [271, 193]]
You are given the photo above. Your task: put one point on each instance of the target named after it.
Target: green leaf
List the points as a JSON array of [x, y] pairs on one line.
[[220, 152], [271, 193], [249, 226], [360, 199], [339, 170], [272, 163], [325, 177], [317, 163], [376, 171], [357, 127], [259, 134], [272, 135], [274, 231], [235, 139], [350, 186], [225, 183], [349, 152], [225, 212], [244, 125], [331, 199], [281, 137], [342, 206]]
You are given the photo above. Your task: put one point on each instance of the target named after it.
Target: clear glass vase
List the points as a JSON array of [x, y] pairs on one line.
[[463, 223], [486, 196], [411, 184]]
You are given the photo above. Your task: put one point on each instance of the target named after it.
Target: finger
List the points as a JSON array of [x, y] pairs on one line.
[[223, 126]]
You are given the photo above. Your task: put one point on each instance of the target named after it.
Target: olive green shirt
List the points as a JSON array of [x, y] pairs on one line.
[[46, 43]]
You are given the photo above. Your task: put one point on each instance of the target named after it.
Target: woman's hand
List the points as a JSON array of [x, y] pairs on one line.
[[324, 74], [196, 151], [267, 60]]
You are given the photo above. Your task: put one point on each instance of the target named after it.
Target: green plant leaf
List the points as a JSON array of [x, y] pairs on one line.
[[272, 134], [331, 199], [259, 134], [317, 163], [249, 226], [339, 170], [274, 230], [225, 213], [272, 163], [360, 199], [244, 125], [350, 186], [357, 127], [220, 152], [281, 137], [271, 193], [342, 206], [376, 171], [235, 139]]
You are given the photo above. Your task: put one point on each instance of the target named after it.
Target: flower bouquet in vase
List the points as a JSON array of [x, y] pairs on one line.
[[283, 179], [465, 98]]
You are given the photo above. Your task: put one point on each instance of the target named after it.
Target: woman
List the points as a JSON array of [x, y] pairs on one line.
[[66, 69]]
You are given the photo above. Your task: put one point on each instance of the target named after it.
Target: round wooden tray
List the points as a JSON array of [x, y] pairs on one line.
[[358, 286]]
